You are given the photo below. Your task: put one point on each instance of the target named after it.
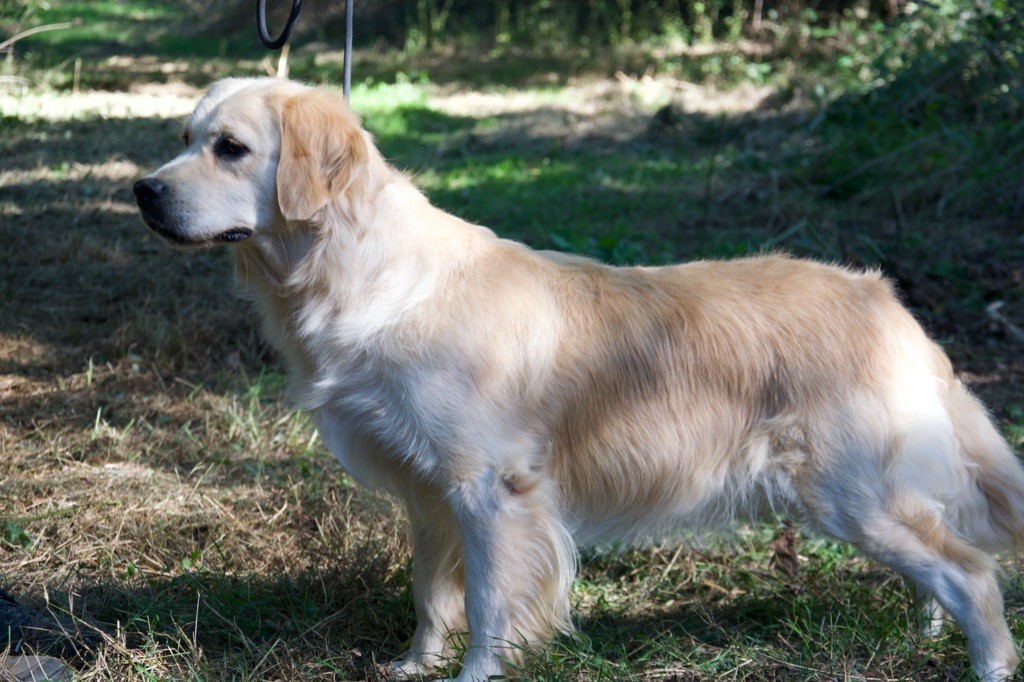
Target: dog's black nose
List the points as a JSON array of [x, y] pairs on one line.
[[148, 190]]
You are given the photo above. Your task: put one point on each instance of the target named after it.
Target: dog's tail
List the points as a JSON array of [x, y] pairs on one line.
[[997, 472]]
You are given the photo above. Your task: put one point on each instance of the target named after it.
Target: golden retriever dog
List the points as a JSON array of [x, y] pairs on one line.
[[521, 403]]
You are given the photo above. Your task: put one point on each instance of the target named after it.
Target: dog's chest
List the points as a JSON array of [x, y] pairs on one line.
[[374, 420]]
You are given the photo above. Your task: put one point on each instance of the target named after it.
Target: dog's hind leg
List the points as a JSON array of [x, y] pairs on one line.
[[438, 591], [519, 564], [931, 615], [906, 497], [910, 536]]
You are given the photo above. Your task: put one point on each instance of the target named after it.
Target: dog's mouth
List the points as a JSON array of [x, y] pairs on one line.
[[235, 234]]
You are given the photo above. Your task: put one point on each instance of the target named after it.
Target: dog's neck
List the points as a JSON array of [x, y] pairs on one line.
[[279, 258], [372, 257]]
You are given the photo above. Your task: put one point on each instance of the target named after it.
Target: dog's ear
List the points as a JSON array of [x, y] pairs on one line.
[[322, 150]]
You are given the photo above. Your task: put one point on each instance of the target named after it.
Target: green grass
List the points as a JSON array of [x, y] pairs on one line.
[[112, 27]]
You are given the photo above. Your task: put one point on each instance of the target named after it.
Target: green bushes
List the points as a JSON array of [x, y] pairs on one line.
[[941, 121], [420, 24]]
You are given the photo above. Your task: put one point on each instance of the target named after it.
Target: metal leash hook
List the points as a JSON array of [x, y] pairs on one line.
[[275, 44]]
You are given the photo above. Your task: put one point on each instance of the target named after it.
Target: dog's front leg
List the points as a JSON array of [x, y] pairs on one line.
[[477, 507], [437, 589], [519, 561]]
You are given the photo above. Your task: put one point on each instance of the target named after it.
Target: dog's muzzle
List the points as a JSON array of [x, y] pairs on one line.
[[153, 196]]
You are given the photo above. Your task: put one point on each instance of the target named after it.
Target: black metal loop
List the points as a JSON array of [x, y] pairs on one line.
[[261, 24]]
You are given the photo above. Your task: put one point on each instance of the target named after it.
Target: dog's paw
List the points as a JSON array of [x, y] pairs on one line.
[[997, 674], [406, 669], [997, 668]]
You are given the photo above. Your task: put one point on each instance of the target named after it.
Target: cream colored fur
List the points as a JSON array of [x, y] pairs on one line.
[[520, 402]]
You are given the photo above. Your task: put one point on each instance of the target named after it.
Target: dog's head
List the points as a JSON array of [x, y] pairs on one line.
[[260, 155]]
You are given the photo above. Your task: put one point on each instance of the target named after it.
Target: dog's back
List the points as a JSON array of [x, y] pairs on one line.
[[687, 393]]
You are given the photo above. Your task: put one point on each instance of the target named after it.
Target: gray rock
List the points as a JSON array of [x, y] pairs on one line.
[[32, 668], [26, 630]]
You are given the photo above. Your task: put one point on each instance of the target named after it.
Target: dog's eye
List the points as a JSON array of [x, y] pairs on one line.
[[229, 148]]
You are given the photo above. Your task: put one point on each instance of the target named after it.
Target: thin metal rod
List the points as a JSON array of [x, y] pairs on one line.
[[347, 81]]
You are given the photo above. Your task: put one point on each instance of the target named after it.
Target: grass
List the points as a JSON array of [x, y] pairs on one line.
[[156, 483]]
